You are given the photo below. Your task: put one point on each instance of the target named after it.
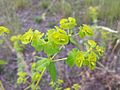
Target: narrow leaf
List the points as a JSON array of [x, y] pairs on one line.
[[52, 71], [71, 57]]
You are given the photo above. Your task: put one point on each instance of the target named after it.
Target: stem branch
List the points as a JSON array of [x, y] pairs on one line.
[[62, 59], [40, 77], [1, 85]]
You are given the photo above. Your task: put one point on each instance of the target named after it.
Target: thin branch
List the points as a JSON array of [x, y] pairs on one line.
[[107, 29], [8, 44], [39, 79], [56, 53], [27, 87], [1, 85], [62, 59]]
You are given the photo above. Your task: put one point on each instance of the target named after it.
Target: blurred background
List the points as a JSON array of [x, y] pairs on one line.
[[20, 15]]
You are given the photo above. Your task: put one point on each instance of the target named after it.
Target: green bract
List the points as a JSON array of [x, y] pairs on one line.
[[92, 43], [100, 50], [27, 37], [92, 57], [85, 30], [79, 59], [58, 36], [15, 38], [69, 23], [35, 76], [22, 77], [4, 30], [37, 42]]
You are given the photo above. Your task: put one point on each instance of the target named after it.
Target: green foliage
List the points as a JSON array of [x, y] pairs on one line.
[[37, 42], [16, 43], [71, 57], [92, 43], [52, 71], [69, 23], [51, 48], [58, 36], [79, 59], [27, 37], [35, 76], [51, 43], [100, 50], [41, 64], [85, 30], [85, 58]]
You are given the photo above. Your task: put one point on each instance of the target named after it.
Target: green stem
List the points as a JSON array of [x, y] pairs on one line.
[[27, 87], [56, 53], [40, 77], [62, 59], [1, 85]]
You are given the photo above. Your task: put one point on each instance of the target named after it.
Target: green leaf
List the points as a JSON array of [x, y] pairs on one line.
[[17, 46], [38, 44], [52, 71], [41, 64], [72, 40], [71, 57], [51, 48], [2, 62]]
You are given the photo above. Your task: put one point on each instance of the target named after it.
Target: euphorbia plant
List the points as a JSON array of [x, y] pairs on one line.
[[51, 44]]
